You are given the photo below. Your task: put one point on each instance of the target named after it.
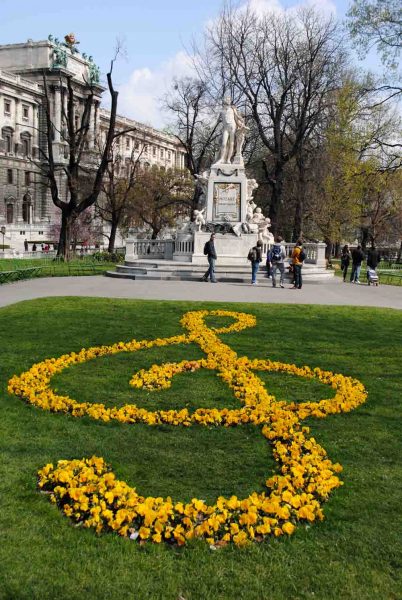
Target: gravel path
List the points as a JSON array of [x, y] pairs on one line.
[[333, 292]]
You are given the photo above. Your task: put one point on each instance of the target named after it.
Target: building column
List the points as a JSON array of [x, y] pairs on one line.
[[91, 130], [97, 120], [57, 115], [18, 123], [64, 112]]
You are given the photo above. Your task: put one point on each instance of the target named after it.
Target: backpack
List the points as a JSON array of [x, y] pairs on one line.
[[302, 256], [276, 253], [252, 255], [206, 248]]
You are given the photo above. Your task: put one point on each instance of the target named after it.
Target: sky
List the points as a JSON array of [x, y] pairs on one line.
[[156, 35]]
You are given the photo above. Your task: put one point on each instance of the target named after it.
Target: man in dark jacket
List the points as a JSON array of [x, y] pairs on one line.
[[255, 256], [357, 259], [373, 258], [210, 252]]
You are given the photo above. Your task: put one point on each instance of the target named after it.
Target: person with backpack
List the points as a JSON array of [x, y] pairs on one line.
[[298, 257], [210, 253], [357, 259], [255, 257], [345, 261], [277, 257]]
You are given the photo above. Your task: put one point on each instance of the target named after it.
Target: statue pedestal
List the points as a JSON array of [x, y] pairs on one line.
[[231, 250], [227, 194]]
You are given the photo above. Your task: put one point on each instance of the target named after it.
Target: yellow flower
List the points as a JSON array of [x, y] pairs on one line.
[[305, 475], [288, 527]]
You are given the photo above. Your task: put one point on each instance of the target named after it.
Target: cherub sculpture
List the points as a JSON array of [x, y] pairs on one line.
[[199, 219]]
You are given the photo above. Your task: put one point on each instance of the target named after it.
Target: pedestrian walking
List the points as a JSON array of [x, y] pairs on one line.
[[298, 257], [373, 258], [277, 257], [210, 253], [255, 257], [345, 261], [357, 259]]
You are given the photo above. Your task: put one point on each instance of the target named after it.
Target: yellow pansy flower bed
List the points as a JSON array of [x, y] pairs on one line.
[[88, 492]]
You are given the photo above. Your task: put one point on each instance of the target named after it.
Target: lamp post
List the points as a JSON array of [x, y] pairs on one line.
[[3, 232]]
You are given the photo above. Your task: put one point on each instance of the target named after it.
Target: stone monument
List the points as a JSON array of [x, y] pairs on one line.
[[227, 195]]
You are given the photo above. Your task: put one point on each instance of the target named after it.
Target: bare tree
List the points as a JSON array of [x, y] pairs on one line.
[[118, 183], [285, 68], [189, 102], [77, 166]]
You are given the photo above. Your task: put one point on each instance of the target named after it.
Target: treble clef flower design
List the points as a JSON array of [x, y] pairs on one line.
[[89, 492]]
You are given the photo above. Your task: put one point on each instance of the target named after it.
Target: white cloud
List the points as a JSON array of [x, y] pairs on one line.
[[140, 98], [262, 7]]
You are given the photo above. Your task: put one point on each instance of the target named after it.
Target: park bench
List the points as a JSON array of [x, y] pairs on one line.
[[18, 274]]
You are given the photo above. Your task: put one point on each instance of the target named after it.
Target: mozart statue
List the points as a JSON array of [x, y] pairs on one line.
[[233, 133]]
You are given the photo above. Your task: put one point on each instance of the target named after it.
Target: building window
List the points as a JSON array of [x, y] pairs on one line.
[[168, 154], [10, 213], [22, 232], [146, 149], [154, 151], [25, 113], [161, 152], [7, 107], [10, 176], [7, 135], [128, 143], [26, 211], [40, 232], [27, 176], [26, 144], [137, 145]]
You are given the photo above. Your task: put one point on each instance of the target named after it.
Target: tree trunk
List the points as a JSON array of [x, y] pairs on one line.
[[155, 232], [67, 221], [300, 199], [365, 237], [328, 250], [112, 238], [297, 226], [276, 183]]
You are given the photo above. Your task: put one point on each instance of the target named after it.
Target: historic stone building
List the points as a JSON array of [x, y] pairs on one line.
[[26, 208]]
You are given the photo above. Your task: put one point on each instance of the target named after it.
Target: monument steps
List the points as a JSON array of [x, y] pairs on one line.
[[173, 271]]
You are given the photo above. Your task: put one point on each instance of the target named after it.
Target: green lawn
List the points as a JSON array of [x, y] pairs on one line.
[[354, 553], [50, 267]]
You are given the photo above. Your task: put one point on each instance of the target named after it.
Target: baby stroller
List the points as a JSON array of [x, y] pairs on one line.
[[372, 277]]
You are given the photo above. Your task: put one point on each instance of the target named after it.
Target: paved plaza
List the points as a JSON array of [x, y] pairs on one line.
[[333, 292]]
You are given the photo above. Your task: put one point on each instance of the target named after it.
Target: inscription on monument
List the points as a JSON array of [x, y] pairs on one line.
[[227, 201]]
